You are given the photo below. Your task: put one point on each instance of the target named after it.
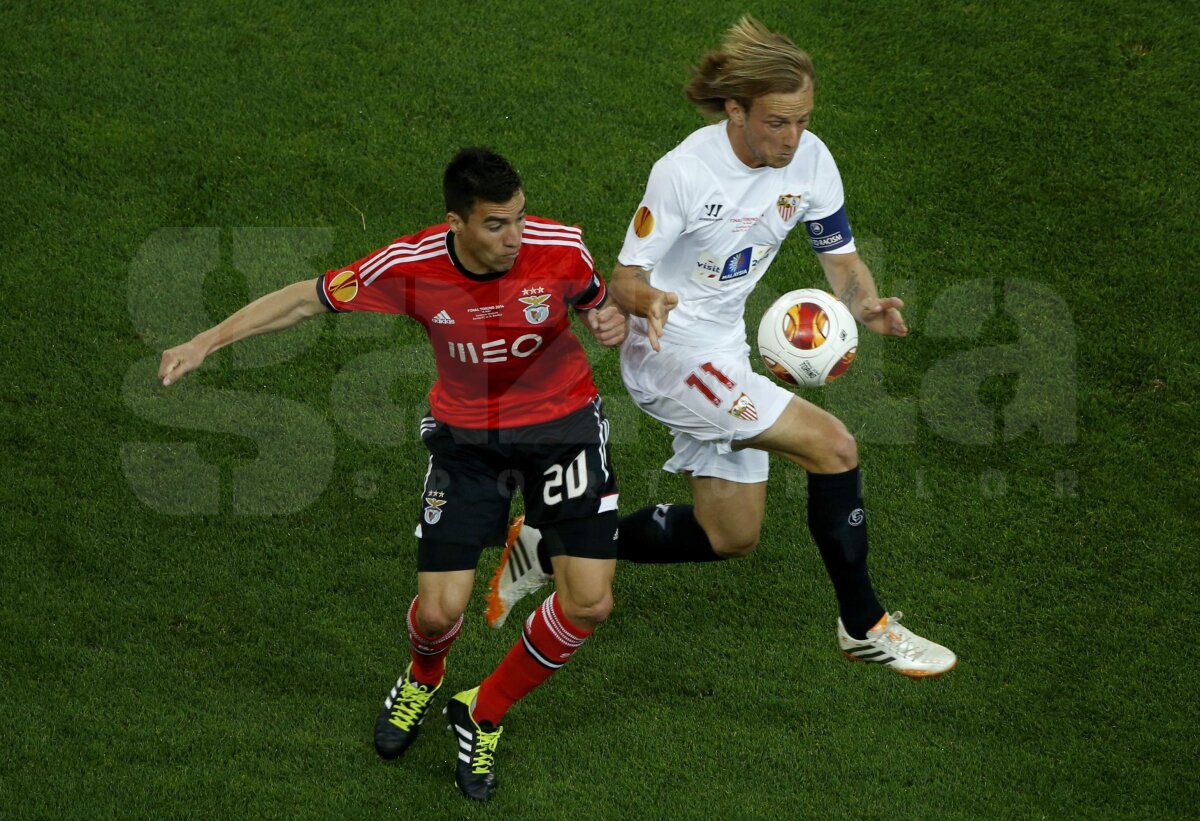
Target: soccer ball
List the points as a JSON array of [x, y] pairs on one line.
[[807, 337]]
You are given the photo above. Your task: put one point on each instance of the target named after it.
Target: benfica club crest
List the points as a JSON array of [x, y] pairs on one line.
[[788, 205], [536, 309], [433, 513]]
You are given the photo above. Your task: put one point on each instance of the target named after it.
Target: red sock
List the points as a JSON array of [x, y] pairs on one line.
[[429, 652], [546, 643]]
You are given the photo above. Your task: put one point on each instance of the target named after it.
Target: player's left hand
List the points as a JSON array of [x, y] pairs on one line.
[[607, 325], [882, 316]]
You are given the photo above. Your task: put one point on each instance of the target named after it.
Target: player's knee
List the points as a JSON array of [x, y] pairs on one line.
[[839, 451], [436, 618], [734, 546], [589, 611]]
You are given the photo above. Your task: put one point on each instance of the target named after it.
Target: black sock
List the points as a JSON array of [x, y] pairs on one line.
[[663, 534], [839, 527], [659, 534]]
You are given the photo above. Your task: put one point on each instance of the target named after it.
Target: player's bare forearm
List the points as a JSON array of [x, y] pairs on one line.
[[851, 281], [277, 311], [631, 288], [274, 312], [633, 291]]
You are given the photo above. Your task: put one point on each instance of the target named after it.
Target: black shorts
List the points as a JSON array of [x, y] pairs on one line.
[[563, 469]]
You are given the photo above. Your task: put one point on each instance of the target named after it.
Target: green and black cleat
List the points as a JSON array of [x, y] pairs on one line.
[[400, 719], [475, 769]]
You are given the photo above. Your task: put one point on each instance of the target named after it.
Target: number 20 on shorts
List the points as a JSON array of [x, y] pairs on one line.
[[572, 479]]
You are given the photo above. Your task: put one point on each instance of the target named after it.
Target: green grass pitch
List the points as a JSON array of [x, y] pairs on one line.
[[202, 590]]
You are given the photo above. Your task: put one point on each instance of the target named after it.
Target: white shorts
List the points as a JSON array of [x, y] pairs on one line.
[[709, 400]]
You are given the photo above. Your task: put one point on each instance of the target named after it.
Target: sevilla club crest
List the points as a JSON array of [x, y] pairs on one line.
[[743, 408], [788, 205]]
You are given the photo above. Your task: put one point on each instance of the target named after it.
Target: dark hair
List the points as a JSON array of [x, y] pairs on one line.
[[478, 174]]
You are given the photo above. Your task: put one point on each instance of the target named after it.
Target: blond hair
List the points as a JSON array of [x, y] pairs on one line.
[[752, 61]]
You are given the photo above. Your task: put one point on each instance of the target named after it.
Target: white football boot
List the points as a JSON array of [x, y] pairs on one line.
[[892, 645], [519, 574]]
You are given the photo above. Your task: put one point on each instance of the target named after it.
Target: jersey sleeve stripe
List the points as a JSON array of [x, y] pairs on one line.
[[583, 251], [553, 230], [391, 252], [400, 259], [398, 248]]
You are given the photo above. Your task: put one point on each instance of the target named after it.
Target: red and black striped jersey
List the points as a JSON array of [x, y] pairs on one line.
[[502, 342]]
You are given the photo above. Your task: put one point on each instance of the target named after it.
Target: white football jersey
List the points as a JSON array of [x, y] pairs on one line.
[[708, 228]]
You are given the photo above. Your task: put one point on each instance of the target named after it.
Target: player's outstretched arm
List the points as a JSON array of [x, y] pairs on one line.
[[606, 322], [851, 280], [273, 312], [634, 293]]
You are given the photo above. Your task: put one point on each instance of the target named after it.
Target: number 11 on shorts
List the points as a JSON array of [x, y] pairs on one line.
[[694, 381]]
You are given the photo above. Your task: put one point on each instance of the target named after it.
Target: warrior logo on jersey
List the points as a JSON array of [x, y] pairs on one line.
[[536, 311], [344, 286], [643, 222], [788, 205], [433, 513], [743, 408]]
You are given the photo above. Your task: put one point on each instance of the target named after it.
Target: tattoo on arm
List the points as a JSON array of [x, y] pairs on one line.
[[849, 290], [640, 277]]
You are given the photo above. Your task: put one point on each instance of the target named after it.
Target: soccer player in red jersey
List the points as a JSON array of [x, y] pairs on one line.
[[513, 407]]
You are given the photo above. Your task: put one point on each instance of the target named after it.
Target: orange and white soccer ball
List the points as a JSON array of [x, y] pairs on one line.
[[807, 337]]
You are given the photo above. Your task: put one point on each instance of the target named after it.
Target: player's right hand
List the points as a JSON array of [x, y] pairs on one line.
[[178, 361], [656, 314]]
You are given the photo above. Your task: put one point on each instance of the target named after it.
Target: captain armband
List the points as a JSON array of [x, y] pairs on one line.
[[830, 233]]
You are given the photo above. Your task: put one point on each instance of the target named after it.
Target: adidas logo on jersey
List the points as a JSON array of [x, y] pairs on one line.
[[443, 318]]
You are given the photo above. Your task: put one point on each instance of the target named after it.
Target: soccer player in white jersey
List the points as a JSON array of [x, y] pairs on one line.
[[715, 212]]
